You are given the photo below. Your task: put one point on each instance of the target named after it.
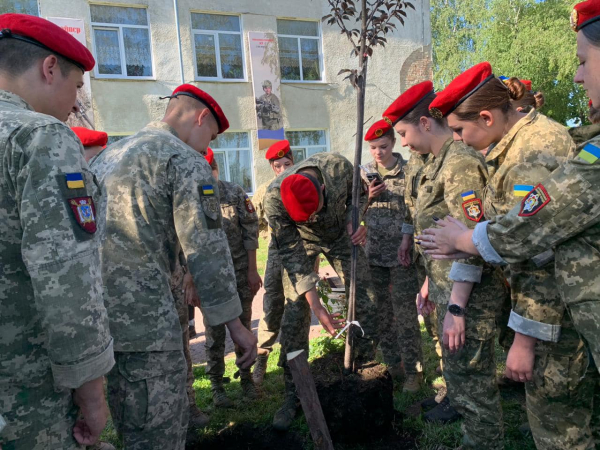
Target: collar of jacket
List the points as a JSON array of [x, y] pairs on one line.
[[14, 99], [434, 164], [163, 126], [503, 145], [394, 170]]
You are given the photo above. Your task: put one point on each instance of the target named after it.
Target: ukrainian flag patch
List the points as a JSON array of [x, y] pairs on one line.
[[469, 195], [207, 189], [521, 190], [74, 180], [590, 153]]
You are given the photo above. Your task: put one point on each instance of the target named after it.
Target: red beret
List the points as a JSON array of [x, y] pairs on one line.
[[460, 89], [49, 36], [278, 150], [210, 156], [192, 91], [527, 84], [407, 102], [90, 138], [300, 197], [585, 13], [377, 130]]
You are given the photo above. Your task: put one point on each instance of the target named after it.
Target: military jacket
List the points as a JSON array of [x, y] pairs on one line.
[[441, 185], [258, 199], [240, 222], [52, 317], [385, 216], [584, 133], [525, 156], [562, 212], [411, 175], [329, 224], [160, 197]]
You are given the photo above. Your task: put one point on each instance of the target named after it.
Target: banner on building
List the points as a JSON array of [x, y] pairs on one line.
[[84, 97], [264, 57]]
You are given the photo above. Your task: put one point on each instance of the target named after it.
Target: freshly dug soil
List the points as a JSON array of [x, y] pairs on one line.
[[358, 407], [249, 437]]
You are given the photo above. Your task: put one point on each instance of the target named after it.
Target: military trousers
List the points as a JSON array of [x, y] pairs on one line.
[[295, 325], [563, 399], [38, 415], [148, 400], [470, 376], [400, 335], [273, 303], [215, 336], [183, 313]]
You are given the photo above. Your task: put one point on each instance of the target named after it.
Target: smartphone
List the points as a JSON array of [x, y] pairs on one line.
[[372, 176]]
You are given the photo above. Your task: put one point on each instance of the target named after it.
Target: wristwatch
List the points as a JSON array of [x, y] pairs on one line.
[[456, 310]]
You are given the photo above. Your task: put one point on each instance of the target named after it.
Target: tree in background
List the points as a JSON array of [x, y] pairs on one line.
[[523, 38]]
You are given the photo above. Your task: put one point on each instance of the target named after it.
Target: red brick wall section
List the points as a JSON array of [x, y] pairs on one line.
[[416, 68]]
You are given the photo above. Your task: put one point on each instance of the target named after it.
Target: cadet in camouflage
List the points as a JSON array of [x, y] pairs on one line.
[[240, 224], [465, 292], [400, 336], [280, 158], [299, 244], [55, 344], [154, 175]]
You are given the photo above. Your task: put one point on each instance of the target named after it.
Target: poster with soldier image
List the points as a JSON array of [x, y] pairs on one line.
[[266, 82]]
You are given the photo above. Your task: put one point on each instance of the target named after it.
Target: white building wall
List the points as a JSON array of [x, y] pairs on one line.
[[124, 106]]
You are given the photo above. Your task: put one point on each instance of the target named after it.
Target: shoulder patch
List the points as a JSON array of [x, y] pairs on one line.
[[84, 212], [469, 195], [521, 190], [590, 153], [249, 205], [74, 180], [534, 201], [208, 189], [473, 209]]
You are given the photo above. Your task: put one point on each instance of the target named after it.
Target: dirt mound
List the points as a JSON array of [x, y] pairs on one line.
[[359, 407], [249, 437]]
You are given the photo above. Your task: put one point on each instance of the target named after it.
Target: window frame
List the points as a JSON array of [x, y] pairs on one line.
[[296, 147], [214, 33], [37, 4], [226, 150], [320, 47], [119, 28]]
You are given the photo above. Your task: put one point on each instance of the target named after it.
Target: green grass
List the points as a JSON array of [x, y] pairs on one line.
[[428, 436], [261, 257]]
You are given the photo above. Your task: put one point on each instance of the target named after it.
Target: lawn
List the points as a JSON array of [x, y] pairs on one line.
[[428, 436]]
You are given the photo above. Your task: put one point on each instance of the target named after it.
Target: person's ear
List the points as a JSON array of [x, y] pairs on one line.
[[487, 117], [50, 69], [425, 123], [203, 116]]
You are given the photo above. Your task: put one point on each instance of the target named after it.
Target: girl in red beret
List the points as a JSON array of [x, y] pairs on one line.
[[400, 336], [464, 294], [521, 150]]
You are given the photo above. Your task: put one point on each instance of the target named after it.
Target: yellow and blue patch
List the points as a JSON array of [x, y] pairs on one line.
[[590, 153], [521, 190], [469, 195], [74, 180], [208, 189]]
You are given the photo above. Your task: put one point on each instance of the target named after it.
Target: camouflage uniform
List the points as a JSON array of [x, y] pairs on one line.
[[300, 244], [269, 111], [54, 333], [400, 336], [182, 312], [161, 199], [584, 133], [451, 184], [411, 171], [534, 147], [240, 224], [274, 298]]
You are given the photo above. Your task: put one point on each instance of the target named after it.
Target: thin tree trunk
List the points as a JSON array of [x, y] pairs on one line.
[[356, 185]]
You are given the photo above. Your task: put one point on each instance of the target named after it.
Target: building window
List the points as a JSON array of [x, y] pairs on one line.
[[234, 156], [121, 42], [218, 47], [307, 143], [20, 6], [300, 55]]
